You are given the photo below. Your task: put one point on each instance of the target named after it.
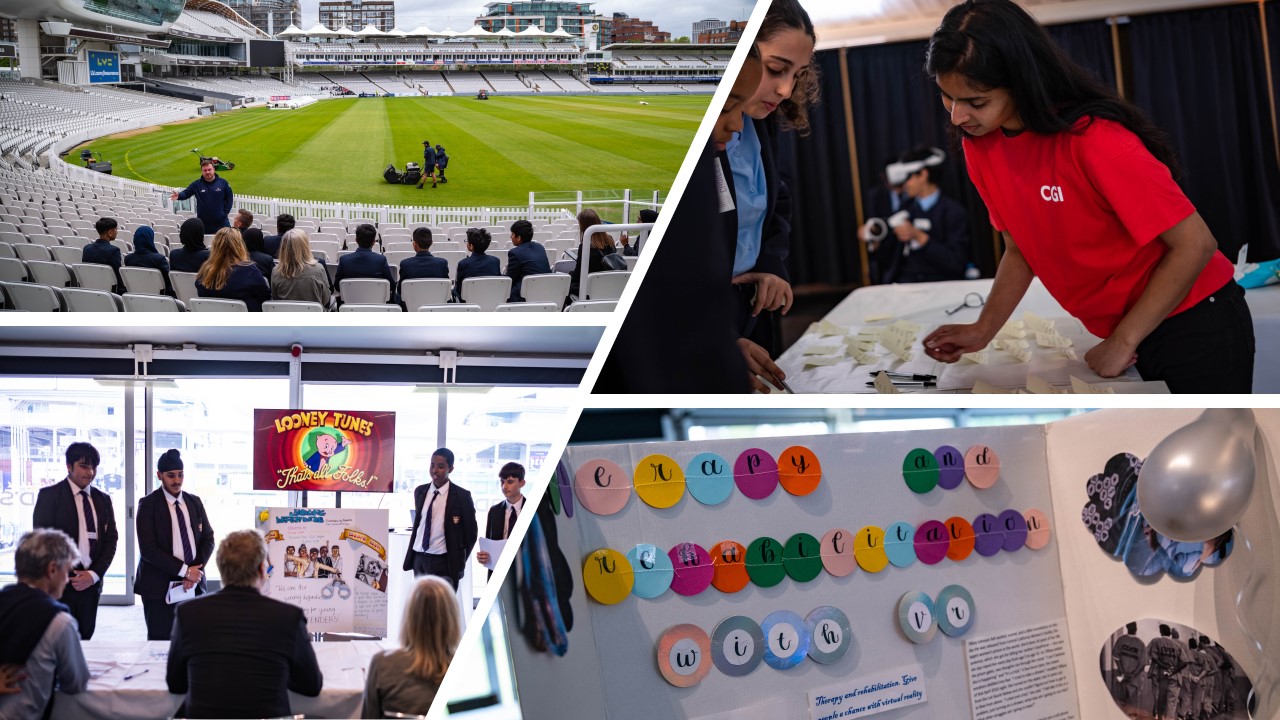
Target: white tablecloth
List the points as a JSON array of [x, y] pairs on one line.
[[146, 696], [926, 304]]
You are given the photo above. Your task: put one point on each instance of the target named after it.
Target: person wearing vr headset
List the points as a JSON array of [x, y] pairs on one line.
[[928, 239], [1083, 187]]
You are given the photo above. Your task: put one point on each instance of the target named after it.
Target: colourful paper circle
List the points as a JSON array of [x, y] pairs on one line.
[[1037, 529], [737, 645], [684, 655], [756, 473], [837, 552], [608, 576], [920, 470], [982, 466], [1015, 530], [802, 557], [868, 549], [691, 567], [799, 470], [652, 570], [786, 639], [829, 634], [961, 537], [602, 486], [565, 484], [988, 536], [899, 544], [764, 562], [955, 609], [710, 479], [729, 560], [950, 467], [932, 542], [917, 618], [659, 481]]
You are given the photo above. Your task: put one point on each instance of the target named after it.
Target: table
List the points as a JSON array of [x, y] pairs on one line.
[[146, 696], [926, 304]]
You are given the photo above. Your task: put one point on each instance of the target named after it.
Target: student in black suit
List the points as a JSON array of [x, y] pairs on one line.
[[502, 516], [441, 543], [175, 541], [526, 258], [236, 653], [84, 513], [423, 264], [364, 262], [101, 251], [271, 243], [477, 264], [145, 255]]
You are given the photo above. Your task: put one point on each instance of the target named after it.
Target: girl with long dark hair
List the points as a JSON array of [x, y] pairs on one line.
[[1083, 188]]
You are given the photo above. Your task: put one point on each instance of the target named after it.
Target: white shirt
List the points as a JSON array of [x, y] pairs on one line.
[[433, 544], [56, 657], [82, 540], [506, 518], [171, 501]]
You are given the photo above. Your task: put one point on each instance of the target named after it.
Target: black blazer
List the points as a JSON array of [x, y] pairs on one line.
[[157, 566], [236, 654], [523, 260], [496, 524], [423, 265], [55, 508], [459, 527]]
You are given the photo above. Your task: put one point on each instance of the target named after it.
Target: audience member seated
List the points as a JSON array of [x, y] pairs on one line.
[[423, 264], [364, 262], [271, 243], [405, 680], [237, 653], [477, 264], [39, 640], [647, 215], [230, 274], [601, 245], [525, 259], [145, 255], [193, 253], [253, 243], [299, 276], [101, 251]]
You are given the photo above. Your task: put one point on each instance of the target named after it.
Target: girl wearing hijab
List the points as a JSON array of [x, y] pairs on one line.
[[230, 274], [193, 253], [145, 255], [253, 242]]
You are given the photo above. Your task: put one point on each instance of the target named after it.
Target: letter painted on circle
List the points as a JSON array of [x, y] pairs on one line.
[[932, 542], [837, 552], [920, 470], [962, 538], [899, 544], [692, 568], [988, 534], [981, 466], [868, 549], [684, 655], [652, 568], [659, 481], [764, 562], [710, 479], [1015, 530], [1037, 529], [802, 557], [728, 559], [602, 486], [799, 470], [950, 467], [756, 473], [608, 576]]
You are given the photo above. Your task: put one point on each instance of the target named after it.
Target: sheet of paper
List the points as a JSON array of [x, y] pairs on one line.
[[1052, 340], [1013, 329], [869, 695], [494, 548], [1008, 343], [825, 347], [877, 318], [1081, 387], [824, 327], [822, 360], [1040, 386], [980, 358], [1035, 323], [898, 340], [177, 594], [1068, 353], [983, 387], [1022, 675], [1023, 355], [884, 385]]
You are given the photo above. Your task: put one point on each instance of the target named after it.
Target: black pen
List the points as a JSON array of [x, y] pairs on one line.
[[144, 672], [909, 383], [906, 376]]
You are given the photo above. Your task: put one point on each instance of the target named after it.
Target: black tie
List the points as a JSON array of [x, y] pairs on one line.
[[187, 555], [426, 533], [90, 527], [511, 521]]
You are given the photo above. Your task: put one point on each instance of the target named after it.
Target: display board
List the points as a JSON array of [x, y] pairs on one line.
[[104, 66], [327, 450], [342, 593]]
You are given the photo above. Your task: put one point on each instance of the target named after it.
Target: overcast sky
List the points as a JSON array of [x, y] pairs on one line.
[[676, 18]]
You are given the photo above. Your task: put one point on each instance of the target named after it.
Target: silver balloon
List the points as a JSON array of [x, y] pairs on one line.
[[1197, 482]]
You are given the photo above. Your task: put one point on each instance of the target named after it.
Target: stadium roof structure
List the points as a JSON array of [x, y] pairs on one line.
[[291, 31], [422, 31], [476, 31], [669, 45], [344, 31], [370, 31], [533, 31]]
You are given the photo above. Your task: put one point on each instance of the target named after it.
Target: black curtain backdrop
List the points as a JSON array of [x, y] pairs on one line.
[[1200, 75], [1089, 45]]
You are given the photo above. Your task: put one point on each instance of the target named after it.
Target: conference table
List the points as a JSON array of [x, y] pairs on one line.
[[128, 681], [821, 361]]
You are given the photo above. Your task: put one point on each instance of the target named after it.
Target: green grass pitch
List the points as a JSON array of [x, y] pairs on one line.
[[499, 150]]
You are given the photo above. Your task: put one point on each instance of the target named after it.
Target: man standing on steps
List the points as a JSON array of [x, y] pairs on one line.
[[428, 164]]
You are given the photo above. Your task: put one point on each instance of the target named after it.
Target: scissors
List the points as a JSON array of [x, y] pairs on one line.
[[337, 585], [971, 300]]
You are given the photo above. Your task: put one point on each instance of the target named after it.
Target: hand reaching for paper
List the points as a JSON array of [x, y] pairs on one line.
[[772, 292], [949, 342], [760, 365]]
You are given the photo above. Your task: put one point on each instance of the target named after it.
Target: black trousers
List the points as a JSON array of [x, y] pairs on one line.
[[438, 565], [83, 605], [159, 617], [1207, 348]]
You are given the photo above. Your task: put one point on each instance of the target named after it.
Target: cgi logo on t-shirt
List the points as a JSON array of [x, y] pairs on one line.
[[1051, 193]]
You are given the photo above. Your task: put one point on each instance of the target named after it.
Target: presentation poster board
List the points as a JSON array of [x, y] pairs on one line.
[[331, 562], [104, 66], [327, 450]]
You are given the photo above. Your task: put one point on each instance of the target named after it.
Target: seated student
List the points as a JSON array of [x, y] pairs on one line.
[[193, 253], [423, 264], [146, 255], [229, 274], [405, 680], [477, 264], [934, 245], [101, 251], [299, 276], [647, 215], [525, 258], [364, 262], [601, 246], [257, 251], [271, 243]]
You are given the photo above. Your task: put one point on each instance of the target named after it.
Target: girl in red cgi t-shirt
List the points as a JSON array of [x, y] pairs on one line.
[[1082, 187]]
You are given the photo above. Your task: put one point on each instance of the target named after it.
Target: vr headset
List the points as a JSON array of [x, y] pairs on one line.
[[897, 173]]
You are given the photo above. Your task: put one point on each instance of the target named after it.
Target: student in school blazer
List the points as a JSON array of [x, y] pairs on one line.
[[159, 563]]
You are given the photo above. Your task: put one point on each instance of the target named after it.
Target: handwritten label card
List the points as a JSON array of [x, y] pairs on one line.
[[890, 690]]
